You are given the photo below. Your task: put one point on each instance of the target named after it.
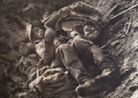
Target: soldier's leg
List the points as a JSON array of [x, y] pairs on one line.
[[110, 72], [87, 86], [66, 54], [95, 53]]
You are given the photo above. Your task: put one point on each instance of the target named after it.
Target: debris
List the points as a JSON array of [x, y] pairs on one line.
[[121, 13], [129, 24], [106, 16], [4, 62], [37, 65], [115, 43], [19, 20]]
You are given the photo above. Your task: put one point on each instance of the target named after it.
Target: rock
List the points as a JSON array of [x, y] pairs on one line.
[[135, 94]]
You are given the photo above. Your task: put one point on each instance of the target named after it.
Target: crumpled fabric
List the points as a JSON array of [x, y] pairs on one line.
[[53, 82]]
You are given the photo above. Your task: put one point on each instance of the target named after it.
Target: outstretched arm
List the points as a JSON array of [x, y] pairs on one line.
[[65, 11], [55, 16], [84, 8]]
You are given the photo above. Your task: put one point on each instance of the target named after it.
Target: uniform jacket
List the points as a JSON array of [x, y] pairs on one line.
[[77, 11]]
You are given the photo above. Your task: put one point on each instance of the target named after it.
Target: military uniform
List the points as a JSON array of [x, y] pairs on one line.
[[44, 47], [78, 13], [89, 50], [68, 57]]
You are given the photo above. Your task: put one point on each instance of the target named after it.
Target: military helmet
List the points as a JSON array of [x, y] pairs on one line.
[[35, 23]]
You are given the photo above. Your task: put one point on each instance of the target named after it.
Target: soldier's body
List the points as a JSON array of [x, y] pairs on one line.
[[43, 41]]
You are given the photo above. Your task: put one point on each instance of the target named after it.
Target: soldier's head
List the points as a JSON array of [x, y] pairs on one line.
[[37, 30], [91, 33]]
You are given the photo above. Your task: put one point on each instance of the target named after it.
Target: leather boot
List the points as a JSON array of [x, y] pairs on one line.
[[100, 83], [90, 87]]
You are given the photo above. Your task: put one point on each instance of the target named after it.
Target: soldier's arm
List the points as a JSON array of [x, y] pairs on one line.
[[55, 16], [65, 11], [40, 50], [84, 8]]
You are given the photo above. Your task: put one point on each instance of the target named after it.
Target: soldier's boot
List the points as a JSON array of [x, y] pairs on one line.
[[110, 72], [103, 82], [90, 87], [97, 84]]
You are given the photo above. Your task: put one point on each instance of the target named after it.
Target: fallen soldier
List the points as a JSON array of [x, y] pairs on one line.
[[65, 58], [43, 41], [93, 53]]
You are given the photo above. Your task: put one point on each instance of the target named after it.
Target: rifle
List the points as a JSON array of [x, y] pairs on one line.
[[37, 67]]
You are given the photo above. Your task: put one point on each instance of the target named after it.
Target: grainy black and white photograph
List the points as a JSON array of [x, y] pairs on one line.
[[68, 48]]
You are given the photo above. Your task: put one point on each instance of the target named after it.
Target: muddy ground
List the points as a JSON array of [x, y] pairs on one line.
[[119, 37]]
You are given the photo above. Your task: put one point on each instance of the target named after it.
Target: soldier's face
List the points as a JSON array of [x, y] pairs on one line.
[[90, 32], [38, 32]]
